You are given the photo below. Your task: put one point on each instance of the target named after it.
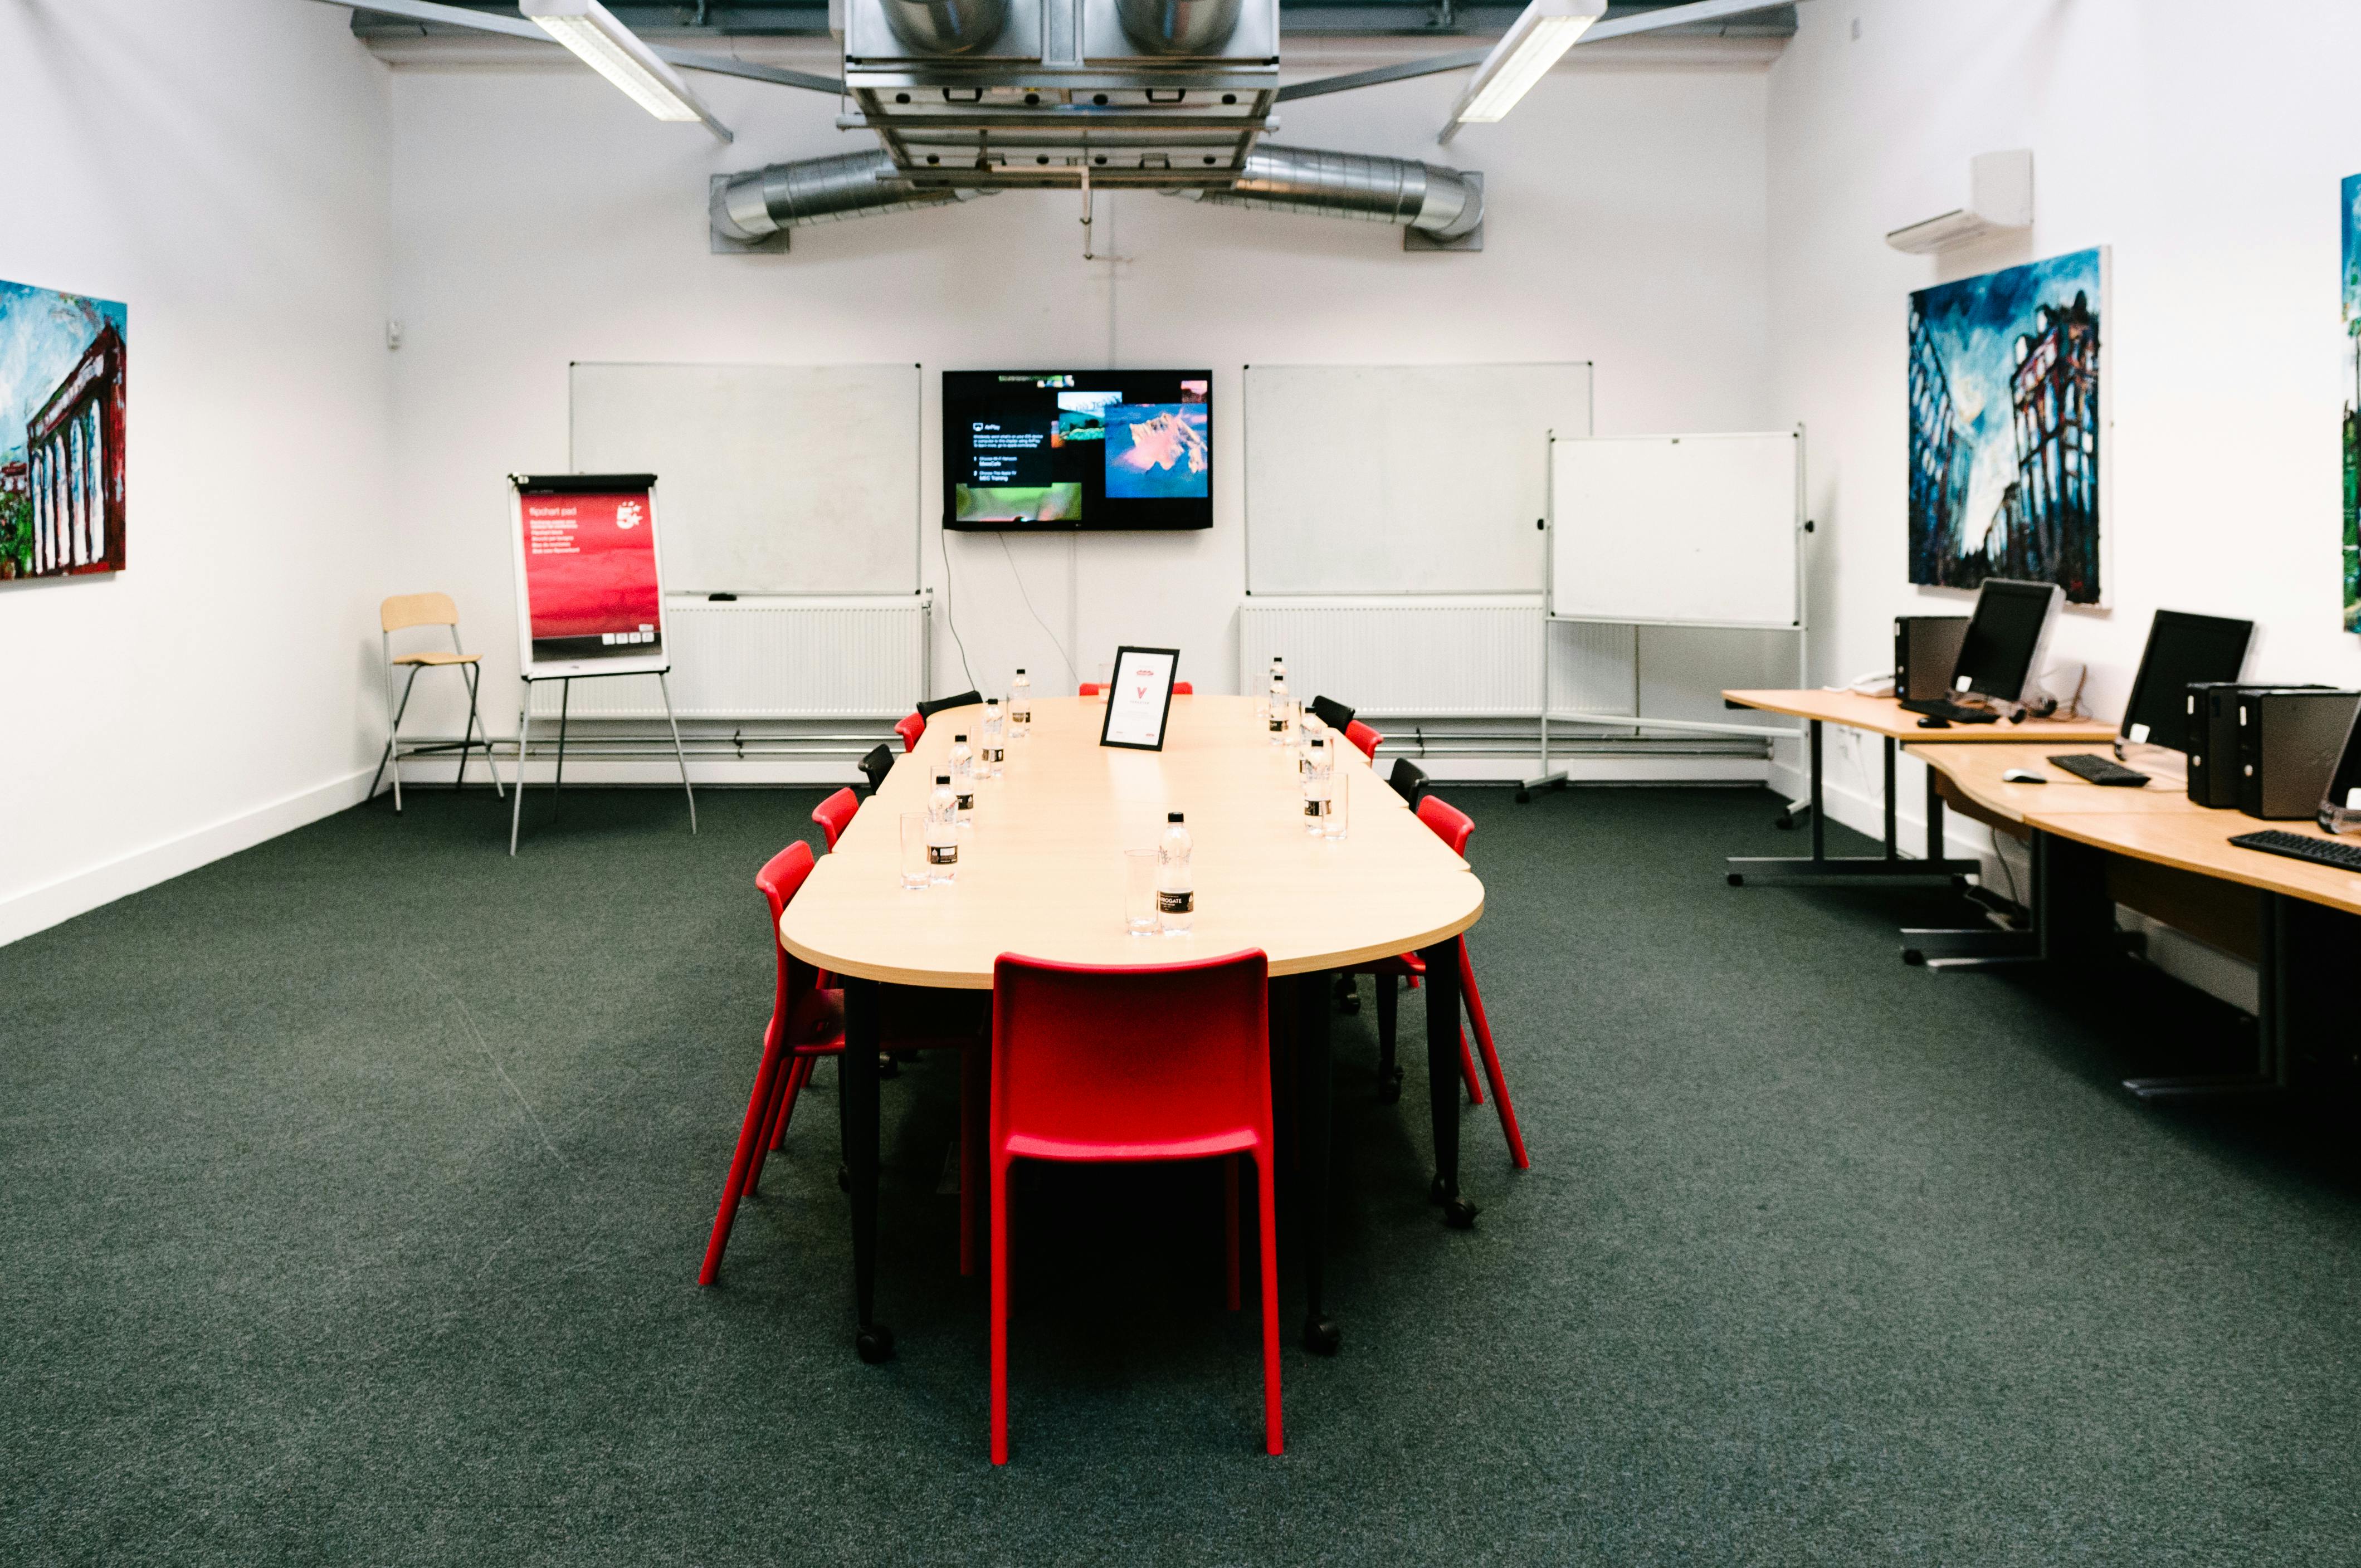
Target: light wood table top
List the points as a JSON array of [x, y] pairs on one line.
[[1885, 716], [1042, 870], [1976, 772]]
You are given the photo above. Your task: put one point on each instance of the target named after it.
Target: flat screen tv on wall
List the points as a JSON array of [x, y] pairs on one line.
[[1082, 449]]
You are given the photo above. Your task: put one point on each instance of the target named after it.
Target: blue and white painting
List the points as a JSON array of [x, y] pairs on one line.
[[2006, 427], [62, 374]]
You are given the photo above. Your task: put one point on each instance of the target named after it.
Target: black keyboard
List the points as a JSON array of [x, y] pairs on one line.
[[2091, 768], [1943, 708], [2334, 852]]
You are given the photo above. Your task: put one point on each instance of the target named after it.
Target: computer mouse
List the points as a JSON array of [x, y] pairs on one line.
[[1934, 721], [2023, 776]]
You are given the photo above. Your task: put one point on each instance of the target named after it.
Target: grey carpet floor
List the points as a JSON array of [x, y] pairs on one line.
[[352, 1191]]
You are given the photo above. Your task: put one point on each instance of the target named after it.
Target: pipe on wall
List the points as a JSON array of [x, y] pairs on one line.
[[946, 27], [1178, 26], [1440, 200], [763, 201]]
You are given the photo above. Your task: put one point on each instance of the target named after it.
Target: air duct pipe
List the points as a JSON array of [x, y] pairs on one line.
[[1438, 200], [945, 26], [1178, 26], [763, 201]]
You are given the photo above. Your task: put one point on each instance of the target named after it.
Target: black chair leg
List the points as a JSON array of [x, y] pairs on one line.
[[1348, 994], [1389, 1073]]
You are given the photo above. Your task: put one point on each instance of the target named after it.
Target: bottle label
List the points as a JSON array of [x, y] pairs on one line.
[[1020, 715], [996, 755], [1278, 721], [1315, 808], [943, 854], [1175, 903], [967, 803]]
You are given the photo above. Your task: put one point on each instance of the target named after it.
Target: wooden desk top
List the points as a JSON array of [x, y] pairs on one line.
[[1042, 871], [1884, 715], [1977, 770], [2154, 823]]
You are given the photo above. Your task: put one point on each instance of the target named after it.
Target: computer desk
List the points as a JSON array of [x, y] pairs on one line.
[[2155, 849], [1887, 718]]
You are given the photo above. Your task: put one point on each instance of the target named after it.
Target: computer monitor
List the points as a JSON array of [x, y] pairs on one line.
[[2340, 803], [2004, 638], [2181, 649]]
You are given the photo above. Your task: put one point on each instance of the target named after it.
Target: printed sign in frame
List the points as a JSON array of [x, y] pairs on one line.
[[1140, 700], [590, 576]]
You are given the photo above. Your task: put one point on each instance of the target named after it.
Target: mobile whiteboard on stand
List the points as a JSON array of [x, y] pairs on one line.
[[1681, 530], [589, 580]]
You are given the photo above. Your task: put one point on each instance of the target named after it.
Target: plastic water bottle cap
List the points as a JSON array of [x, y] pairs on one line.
[[1173, 817], [943, 778]]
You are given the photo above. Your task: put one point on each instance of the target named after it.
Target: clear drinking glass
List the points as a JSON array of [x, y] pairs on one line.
[[915, 874], [1106, 682], [1340, 804], [1139, 916]]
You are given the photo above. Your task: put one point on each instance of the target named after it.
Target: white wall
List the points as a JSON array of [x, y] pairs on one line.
[[2205, 146], [220, 166], [541, 218]]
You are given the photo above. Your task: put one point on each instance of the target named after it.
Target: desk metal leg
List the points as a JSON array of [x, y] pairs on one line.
[[1821, 866], [1443, 1079], [2272, 1005], [856, 1078], [1977, 946], [1314, 1094]]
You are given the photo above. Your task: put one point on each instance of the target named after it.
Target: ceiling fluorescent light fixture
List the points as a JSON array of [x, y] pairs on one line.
[[615, 52], [1535, 41]]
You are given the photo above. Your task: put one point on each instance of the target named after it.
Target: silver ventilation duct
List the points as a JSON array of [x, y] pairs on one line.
[[762, 202], [1437, 201], [947, 26], [1178, 26]]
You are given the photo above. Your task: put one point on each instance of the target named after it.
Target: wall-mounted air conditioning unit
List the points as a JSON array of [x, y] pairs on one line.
[[2000, 200]]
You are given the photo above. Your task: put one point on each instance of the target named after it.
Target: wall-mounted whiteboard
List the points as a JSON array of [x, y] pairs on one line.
[[777, 478], [1678, 530], [1403, 478]]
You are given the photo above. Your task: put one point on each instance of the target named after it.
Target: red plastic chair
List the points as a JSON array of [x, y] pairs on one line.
[[1076, 1076], [909, 730], [834, 814], [1179, 688], [1453, 826], [806, 1023], [1367, 739]]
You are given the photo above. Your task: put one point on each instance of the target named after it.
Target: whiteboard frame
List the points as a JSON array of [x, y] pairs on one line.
[[1589, 368], [1636, 721], [918, 450]]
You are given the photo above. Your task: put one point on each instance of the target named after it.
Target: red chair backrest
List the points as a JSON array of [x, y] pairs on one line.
[[780, 881], [1450, 824], [1163, 1061], [1367, 739], [1089, 688], [909, 730], [834, 814]]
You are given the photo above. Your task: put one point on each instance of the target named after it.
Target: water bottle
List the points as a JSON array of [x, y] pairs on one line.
[[1313, 731], [1278, 702], [1020, 706], [990, 760], [942, 830], [963, 780], [1175, 889], [1262, 695], [1319, 785]]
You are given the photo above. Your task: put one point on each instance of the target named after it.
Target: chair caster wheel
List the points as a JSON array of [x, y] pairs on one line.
[[1736, 879], [1524, 797], [1785, 824], [1913, 956], [1390, 1087], [1348, 995], [875, 1344], [1459, 1215], [1320, 1335], [888, 1066], [843, 1177]]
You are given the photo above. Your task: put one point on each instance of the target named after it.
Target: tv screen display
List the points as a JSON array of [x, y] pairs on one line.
[[1078, 449]]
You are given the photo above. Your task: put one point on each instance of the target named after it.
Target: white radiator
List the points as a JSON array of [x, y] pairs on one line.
[[1411, 656], [772, 657]]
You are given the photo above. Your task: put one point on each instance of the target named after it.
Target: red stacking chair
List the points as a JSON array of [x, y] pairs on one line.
[[1453, 826], [1365, 737], [909, 730], [835, 814], [1179, 688], [806, 1023], [1075, 1076]]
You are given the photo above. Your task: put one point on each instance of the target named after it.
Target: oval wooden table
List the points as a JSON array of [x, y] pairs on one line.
[[1041, 873]]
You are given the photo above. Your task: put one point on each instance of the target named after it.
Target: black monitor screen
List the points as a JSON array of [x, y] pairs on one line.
[[2344, 794], [1997, 654], [2181, 648], [1078, 449]]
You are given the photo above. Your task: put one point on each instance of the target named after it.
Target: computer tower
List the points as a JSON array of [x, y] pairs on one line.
[[1925, 649], [2289, 740], [2212, 710]]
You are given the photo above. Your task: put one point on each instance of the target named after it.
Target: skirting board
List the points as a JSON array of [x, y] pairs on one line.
[[2221, 975], [78, 892]]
